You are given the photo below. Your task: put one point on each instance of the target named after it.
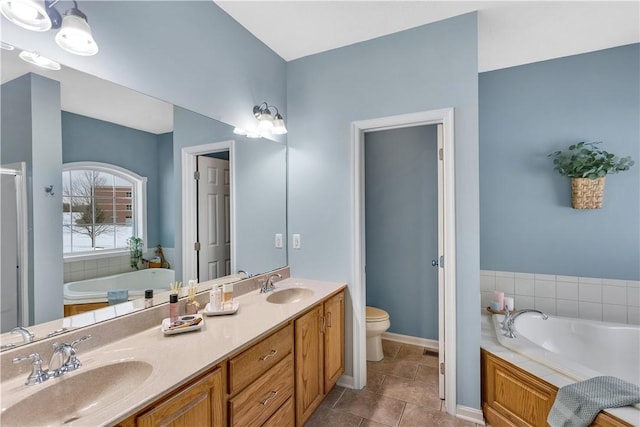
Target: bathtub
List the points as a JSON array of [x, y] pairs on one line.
[[95, 290], [580, 349]]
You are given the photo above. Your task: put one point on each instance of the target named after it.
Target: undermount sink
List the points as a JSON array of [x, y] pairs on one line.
[[291, 295], [67, 399]]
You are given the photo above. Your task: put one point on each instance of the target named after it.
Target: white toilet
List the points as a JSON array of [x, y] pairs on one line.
[[377, 324]]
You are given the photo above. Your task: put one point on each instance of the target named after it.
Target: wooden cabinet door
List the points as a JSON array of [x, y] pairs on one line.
[[200, 404], [333, 340], [309, 355]]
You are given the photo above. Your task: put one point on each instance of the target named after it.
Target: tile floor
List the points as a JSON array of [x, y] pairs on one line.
[[402, 390]]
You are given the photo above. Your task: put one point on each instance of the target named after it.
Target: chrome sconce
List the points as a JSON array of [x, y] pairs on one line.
[[41, 15], [267, 121]]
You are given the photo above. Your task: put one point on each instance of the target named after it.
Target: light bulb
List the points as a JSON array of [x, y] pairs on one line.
[[41, 61], [29, 14], [75, 36]]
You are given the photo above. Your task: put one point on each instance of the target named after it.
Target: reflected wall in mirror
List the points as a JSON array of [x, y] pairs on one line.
[[51, 119]]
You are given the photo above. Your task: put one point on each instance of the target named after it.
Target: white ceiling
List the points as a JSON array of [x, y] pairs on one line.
[[90, 96], [509, 32]]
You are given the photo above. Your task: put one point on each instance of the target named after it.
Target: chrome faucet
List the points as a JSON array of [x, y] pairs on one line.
[[508, 326], [246, 273], [27, 336], [267, 285], [37, 375], [64, 358]]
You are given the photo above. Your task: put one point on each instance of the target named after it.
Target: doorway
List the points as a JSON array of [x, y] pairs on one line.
[[446, 260], [401, 227], [189, 160], [214, 222]]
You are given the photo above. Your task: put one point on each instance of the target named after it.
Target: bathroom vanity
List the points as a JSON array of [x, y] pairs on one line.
[[269, 364]]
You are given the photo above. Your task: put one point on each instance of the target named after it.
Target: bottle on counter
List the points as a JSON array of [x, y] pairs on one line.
[[227, 296], [148, 298], [173, 307], [215, 298]]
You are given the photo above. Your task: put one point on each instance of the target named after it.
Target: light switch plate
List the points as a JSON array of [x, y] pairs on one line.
[[278, 240], [296, 241]]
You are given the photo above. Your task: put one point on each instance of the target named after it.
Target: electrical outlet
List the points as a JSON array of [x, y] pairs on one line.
[[296, 241], [278, 241]]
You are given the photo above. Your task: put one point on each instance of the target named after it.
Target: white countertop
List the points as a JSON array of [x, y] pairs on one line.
[[176, 359], [489, 342]]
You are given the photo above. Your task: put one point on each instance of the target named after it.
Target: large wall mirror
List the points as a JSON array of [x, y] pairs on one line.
[[82, 158]]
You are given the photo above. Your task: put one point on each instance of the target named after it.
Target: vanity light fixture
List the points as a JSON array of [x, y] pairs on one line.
[[41, 61], [267, 122], [37, 15], [75, 34], [30, 14]]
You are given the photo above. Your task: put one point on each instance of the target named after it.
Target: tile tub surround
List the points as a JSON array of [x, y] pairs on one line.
[[173, 363], [489, 342], [106, 266], [590, 298]]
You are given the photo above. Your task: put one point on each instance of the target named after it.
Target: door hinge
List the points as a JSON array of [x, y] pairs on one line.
[[442, 368], [196, 246], [196, 175], [441, 154]]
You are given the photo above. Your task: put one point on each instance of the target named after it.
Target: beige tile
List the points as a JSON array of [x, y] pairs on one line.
[[332, 397], [369, 423], [399, 368], [415, 354], [418, 393], [372, 406], [374, 381], [390, 348], [415, 416], [327, 416], [427, 374]]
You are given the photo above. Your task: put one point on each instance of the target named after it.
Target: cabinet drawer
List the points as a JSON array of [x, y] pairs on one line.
[[256, 403], [284, 416], [256, 360]]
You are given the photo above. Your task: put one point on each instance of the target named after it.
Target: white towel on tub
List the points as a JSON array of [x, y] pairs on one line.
[[578, 404]]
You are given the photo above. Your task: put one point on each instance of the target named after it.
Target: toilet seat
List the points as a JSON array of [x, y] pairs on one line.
[[375, 314]]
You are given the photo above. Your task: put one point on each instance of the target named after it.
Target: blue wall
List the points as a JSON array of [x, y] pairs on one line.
[[166, 208], [401, 209], [31, 134], [425, 68], [92, 140], [527, 223]]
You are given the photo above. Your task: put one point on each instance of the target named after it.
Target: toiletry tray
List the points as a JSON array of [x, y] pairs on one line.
[[187, 323], [492, 311], [209, 312]]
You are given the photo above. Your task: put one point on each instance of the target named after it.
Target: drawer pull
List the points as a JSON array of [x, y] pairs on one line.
[[266, 356], [269, 399]]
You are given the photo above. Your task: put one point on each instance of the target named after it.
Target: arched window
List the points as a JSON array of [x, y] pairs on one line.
[[103, 206]]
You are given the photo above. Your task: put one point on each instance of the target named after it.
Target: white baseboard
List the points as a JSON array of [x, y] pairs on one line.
[[470, 414], [406, 339], [346, 381]]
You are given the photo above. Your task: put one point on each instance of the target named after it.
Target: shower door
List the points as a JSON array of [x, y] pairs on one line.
[[11, 234]]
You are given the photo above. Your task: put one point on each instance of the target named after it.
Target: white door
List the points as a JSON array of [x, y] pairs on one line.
[[441, 282], [214, 203], [9, 253]]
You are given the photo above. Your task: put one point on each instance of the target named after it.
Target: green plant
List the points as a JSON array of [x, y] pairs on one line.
[[587, 160], [135, 250]]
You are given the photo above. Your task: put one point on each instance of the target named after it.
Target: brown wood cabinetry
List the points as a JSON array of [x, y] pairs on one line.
[[261, 382], [514, 397], [309, 351], [319, 349], [333, 340], [199, 404]]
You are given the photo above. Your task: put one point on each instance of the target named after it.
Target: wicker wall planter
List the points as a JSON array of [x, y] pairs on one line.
[[587, 193]]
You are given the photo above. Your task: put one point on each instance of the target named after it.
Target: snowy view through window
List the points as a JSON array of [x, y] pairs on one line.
[[97, 211]]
